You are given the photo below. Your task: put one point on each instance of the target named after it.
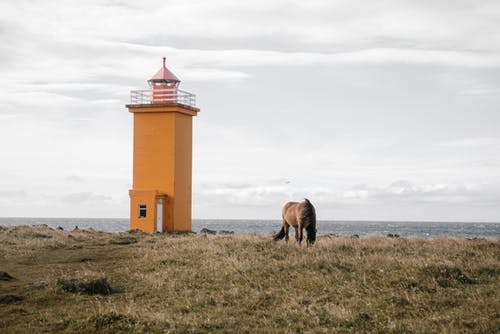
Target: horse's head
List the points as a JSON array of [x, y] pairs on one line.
[[311, 235], [309, 218]]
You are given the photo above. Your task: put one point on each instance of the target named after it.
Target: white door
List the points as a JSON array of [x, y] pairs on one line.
[[159, 216]]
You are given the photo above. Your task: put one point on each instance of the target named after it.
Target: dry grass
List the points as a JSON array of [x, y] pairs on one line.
[[245, 284]]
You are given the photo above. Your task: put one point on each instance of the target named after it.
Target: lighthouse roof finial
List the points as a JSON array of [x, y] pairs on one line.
[[164, 74]]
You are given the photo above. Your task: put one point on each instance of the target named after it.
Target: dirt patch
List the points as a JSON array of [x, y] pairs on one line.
[[448, 276], [10, 299], [4, 276], [123, 241]]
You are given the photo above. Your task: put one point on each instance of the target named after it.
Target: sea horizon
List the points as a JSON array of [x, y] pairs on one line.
[[424, 229], [276, 219]]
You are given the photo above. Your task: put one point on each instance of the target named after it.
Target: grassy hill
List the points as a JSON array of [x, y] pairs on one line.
[[89, 281]]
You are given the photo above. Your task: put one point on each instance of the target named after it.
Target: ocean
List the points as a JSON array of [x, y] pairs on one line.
[[423, 229]]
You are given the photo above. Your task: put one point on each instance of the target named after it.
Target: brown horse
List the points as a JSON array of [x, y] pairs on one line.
[[299, 216]]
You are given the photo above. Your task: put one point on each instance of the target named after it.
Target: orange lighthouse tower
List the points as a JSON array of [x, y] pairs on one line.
[[160, 198]]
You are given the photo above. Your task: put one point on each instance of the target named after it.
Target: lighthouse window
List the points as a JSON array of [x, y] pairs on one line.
[[142, 210]]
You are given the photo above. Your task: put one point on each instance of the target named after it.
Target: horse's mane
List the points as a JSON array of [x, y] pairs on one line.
[[309, 219]]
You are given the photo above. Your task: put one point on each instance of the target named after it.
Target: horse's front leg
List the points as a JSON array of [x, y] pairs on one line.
[[286, 227], [300, 232]]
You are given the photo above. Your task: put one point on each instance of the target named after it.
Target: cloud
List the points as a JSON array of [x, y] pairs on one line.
[[12, 194], [368, 73], [214, 75], [262, 193], [274, 193], [74, 178], [371, 56], [85, 198], [481, 91], [339, 23], [12, 198], [437, 193], [472, 143], [55, 42]]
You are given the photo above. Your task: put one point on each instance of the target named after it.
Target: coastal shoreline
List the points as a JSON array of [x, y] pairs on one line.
[[425, 229]]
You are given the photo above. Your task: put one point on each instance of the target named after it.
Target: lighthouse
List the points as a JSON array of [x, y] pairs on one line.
[[160, 198]]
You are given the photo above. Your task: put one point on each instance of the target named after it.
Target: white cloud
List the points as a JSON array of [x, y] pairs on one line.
[[375, 56], [85, 198], [74, 178], [400, 192], [383, 82], [447, 23], [275, 193], [481, 91], [56, 42], [12, 194], [473, 143]]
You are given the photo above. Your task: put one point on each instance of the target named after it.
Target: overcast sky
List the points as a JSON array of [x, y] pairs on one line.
[[371, 109]]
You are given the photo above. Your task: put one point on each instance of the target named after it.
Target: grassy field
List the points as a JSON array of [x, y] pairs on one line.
[[88, 281]]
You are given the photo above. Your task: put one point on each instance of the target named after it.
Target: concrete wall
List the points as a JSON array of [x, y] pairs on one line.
[[163, 162]]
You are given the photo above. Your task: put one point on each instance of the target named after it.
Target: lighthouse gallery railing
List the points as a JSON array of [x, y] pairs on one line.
[[153, 96]]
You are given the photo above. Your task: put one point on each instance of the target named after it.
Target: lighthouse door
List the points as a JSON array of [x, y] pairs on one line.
[[159, 216]]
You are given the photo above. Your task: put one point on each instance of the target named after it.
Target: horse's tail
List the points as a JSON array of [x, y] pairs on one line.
[[309, 219], [280, 235]]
